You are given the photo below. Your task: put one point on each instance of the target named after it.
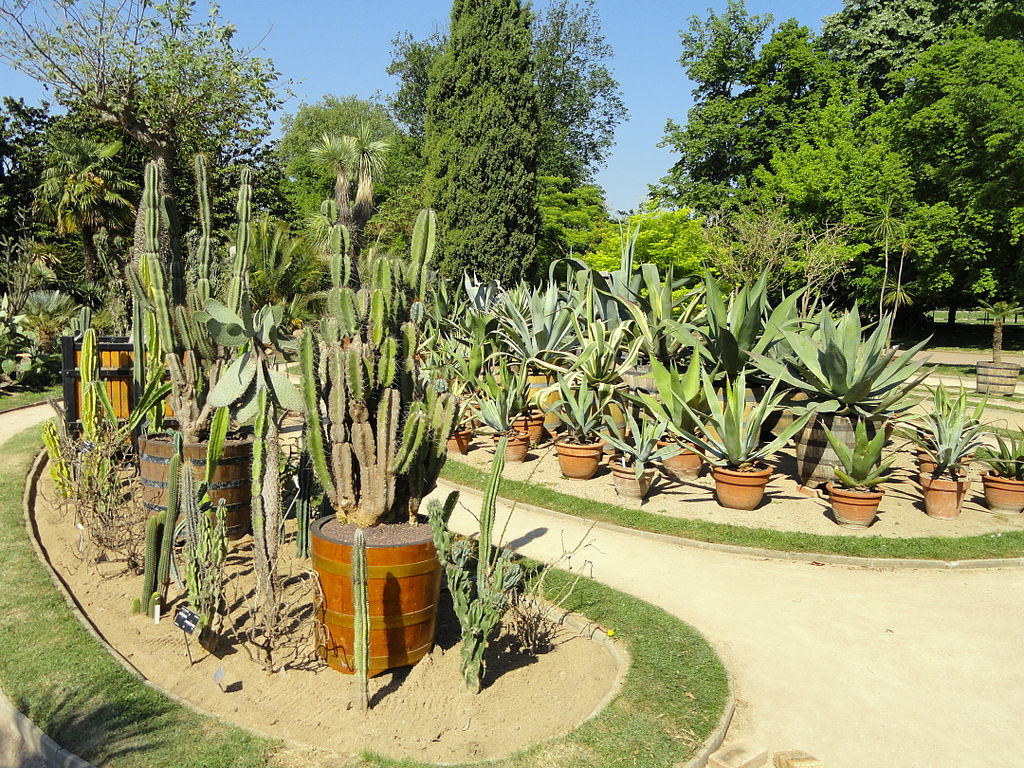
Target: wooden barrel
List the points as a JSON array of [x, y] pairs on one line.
[[640, 378], [403, 587], [232, 480], [996, 378], [815, 459], [536, 383]]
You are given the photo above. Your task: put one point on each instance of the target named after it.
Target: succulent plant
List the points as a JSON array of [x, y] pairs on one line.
[[950, 431], [861, 465], [580, 409], [1006, 459], [675, 390], [502, 397], [641, 446]]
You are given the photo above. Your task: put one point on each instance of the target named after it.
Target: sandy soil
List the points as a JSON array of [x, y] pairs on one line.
[[424, 712], [901, 513]]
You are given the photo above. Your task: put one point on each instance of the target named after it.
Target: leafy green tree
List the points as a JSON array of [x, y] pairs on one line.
[[573, 219], [282, 266], [22, 149], [82, 193], [151, 69], [667, 238], [482, 132]]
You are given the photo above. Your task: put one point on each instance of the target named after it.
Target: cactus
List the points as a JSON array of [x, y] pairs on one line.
[[374, 432], [361, 618], [206, 548], [303, 503], [480, 599], [163, 573], [60, 470], [152, 557]]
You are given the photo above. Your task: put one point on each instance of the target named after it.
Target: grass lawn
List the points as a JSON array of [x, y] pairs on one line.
[[925, 548], [18, 398], [57, 674]]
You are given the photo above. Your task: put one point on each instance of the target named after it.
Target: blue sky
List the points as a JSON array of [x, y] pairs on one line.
[[343, 47]]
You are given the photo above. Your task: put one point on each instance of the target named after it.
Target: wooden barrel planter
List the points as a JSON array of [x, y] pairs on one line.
[[815, 459], [115, 370], [403, 587], [996, 378], [232, 479], [537, 382]]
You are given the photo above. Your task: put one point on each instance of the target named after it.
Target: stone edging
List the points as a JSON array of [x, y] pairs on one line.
[[25, 407], [760, 552], [39, 744]]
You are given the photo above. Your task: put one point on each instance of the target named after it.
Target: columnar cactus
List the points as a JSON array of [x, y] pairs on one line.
[[152, 555], [376, 435], [361, 618]]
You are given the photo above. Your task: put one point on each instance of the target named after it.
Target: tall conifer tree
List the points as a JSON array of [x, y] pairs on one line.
[[482, 139]]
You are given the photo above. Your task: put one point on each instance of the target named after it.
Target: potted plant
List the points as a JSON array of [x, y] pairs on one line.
[[674, 391], [376, 432], [949, 433], [502, 400], [731, 440], [847, 377], [996, 377], [854, 493], [1004, 483], [631, 468], [581, 412]]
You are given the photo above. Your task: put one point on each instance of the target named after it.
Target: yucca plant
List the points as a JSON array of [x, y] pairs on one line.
[[861, 467], [732, 434], [1006, 459], [950, 431]]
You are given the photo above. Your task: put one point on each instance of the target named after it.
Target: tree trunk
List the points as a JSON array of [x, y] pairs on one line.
[[997, 339], [165, 154], [88, 253], [342, 191], [951, 316]]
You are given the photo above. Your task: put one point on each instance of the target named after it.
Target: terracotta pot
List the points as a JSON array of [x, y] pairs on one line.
[[517, 447], [740, 490], [403, 586], [626, 482], [579, 461], [683, 466], [943, 498], [459, 441], [614, 412], [1003, 494], [532, 423], [853, 508]]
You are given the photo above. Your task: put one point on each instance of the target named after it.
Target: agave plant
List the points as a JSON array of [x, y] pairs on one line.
[[581, 409], [1006, 459], [641, 447], [535, 325], [502, 398], [862, 466], [845, 373], [604, 355], [675, 390], [746, 326], [732, 435], [950, 431]]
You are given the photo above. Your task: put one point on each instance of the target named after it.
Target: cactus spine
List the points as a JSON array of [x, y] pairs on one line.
[[361, 618]]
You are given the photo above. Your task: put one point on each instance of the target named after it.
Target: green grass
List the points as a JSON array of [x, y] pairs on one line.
[[925, 548], [29, 397], [57, 674]]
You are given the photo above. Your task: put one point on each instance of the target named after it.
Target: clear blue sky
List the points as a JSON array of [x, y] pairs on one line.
[[343, 47]]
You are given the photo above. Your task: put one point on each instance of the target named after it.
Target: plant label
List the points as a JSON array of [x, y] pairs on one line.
[[186, 620]]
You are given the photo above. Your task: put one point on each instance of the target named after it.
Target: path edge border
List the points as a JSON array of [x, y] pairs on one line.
[[873, 563]]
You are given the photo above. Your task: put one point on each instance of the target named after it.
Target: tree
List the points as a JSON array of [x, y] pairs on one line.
[[482, 132], [573, 219], [580, 102], [82, 193], [667, 238], [22, 148], [371, 153], [151, 69], [337, 154]]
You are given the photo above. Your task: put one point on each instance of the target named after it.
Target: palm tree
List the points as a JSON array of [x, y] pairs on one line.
[[371, 154], [82, 193], [281, 264], [47, 315], [338, 155]]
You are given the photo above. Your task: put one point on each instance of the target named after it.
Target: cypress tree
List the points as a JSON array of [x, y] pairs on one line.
[[482, 130]]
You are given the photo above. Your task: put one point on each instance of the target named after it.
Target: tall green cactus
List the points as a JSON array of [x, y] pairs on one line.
[[152, 556], [479, 601], [361, 618], [375, 433], [163, 573]]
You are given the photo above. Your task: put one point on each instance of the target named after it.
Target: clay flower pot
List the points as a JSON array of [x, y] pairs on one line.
[[532, 423], [740, 490], [579, 461], [683, 466], [517, 447], [1003, 494], [853, 508], [459, 441], [627, 484], [943, 498]]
